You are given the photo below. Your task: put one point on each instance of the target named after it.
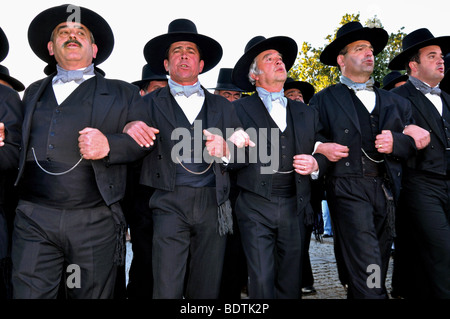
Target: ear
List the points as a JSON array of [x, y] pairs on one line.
[[201, 66], [94, 50], [413, 66], [166, 65], [50, 48], [340, 61]]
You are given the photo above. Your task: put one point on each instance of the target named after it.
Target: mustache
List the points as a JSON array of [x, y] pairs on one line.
[[72, 41]]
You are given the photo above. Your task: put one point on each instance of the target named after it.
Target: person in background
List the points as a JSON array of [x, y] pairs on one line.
[[424, 207], [11, 116], [394, 79], [298, 90], [72, 170], [365, 127]]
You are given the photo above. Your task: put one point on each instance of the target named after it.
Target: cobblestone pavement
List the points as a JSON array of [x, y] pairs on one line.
[[324, 268]]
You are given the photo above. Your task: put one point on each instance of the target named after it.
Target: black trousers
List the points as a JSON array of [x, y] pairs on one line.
[[45, 240], [271, 234], [185, 227], [361, 236], [426, 202]]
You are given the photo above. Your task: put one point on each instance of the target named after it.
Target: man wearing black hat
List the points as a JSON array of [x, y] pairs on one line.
[[10, 131], [394, 79], [274, 201], [225, 86], [71, 168], [190, 207], [298, 90], [424, 210], [366, 126]]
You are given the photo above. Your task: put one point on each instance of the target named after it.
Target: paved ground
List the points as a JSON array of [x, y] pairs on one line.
[[324, 268]]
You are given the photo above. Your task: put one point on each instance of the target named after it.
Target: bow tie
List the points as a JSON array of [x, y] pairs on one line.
[[357, 86], [72, 75], [186, 90], [268, 97], [425, 88]]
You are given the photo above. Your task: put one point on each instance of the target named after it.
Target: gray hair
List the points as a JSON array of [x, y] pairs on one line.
[[253, 70]]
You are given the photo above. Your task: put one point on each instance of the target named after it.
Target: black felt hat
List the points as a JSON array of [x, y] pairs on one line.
[[181, 30], [16, 84], [149, 75], [392, 78], [414, 41], [306, 88], [286, 46], [42, 26], [224, 81], [349, 33], [4, 45]]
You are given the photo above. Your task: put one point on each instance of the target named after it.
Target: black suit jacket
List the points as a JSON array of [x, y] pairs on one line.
[[113, 102], [432, 158], [158, 167], [252, 113], [341, 125]]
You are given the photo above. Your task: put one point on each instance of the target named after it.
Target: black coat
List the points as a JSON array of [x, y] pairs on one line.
[[158, 167], [432, 158], [251, 112], [341, 125], [113, 102]]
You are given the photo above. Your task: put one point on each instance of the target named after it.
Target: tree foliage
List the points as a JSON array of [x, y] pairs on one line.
[[308, 67]]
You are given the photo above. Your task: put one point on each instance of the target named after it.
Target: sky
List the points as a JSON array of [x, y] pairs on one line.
[[230, 22]]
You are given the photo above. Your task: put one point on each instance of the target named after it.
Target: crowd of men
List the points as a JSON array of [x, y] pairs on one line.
[[221, 191]]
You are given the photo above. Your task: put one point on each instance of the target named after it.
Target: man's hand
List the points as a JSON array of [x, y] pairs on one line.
[[141, 133], [384, 142], [93, 144], [241, 139], [216, 145], [2, 134], [305, 164], [333, 151], [421, 136]]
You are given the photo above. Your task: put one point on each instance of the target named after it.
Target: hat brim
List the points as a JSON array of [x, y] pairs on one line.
[[304, 87], [377, 37], [399, 62], [286, 46], [155, 51], [143, 81], [42, 26], [16, 84], [390, 85]]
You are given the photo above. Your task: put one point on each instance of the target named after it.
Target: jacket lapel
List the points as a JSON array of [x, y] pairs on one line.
[[341, 94], [163, 102], [299, 126], [102, 101], [256, 111]]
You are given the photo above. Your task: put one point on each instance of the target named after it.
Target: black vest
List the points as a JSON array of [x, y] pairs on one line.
[[54, 139], [194, 160], [445, 120], [283, 183]]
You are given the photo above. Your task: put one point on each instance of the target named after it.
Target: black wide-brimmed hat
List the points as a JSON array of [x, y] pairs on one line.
[[349, 33], [155, 51], [286, 46], [4, 45], [414, 41], [306, 88], [392, 78], [42, 26], [224, 81], [16, 84], [149, 75]]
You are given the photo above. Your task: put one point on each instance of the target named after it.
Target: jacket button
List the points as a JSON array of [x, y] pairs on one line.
[[158, 175], [347, 164], [263, 183], [346, 131]]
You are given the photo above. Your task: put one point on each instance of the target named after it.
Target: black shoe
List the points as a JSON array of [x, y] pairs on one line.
[[308, 290]]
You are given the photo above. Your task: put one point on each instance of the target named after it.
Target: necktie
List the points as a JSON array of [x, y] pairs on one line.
[[187, 90], [424, 88], [357, 86], [72, 75]]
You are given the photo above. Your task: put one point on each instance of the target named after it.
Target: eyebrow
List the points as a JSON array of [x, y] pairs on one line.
[[75, 26], [269, 54]]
